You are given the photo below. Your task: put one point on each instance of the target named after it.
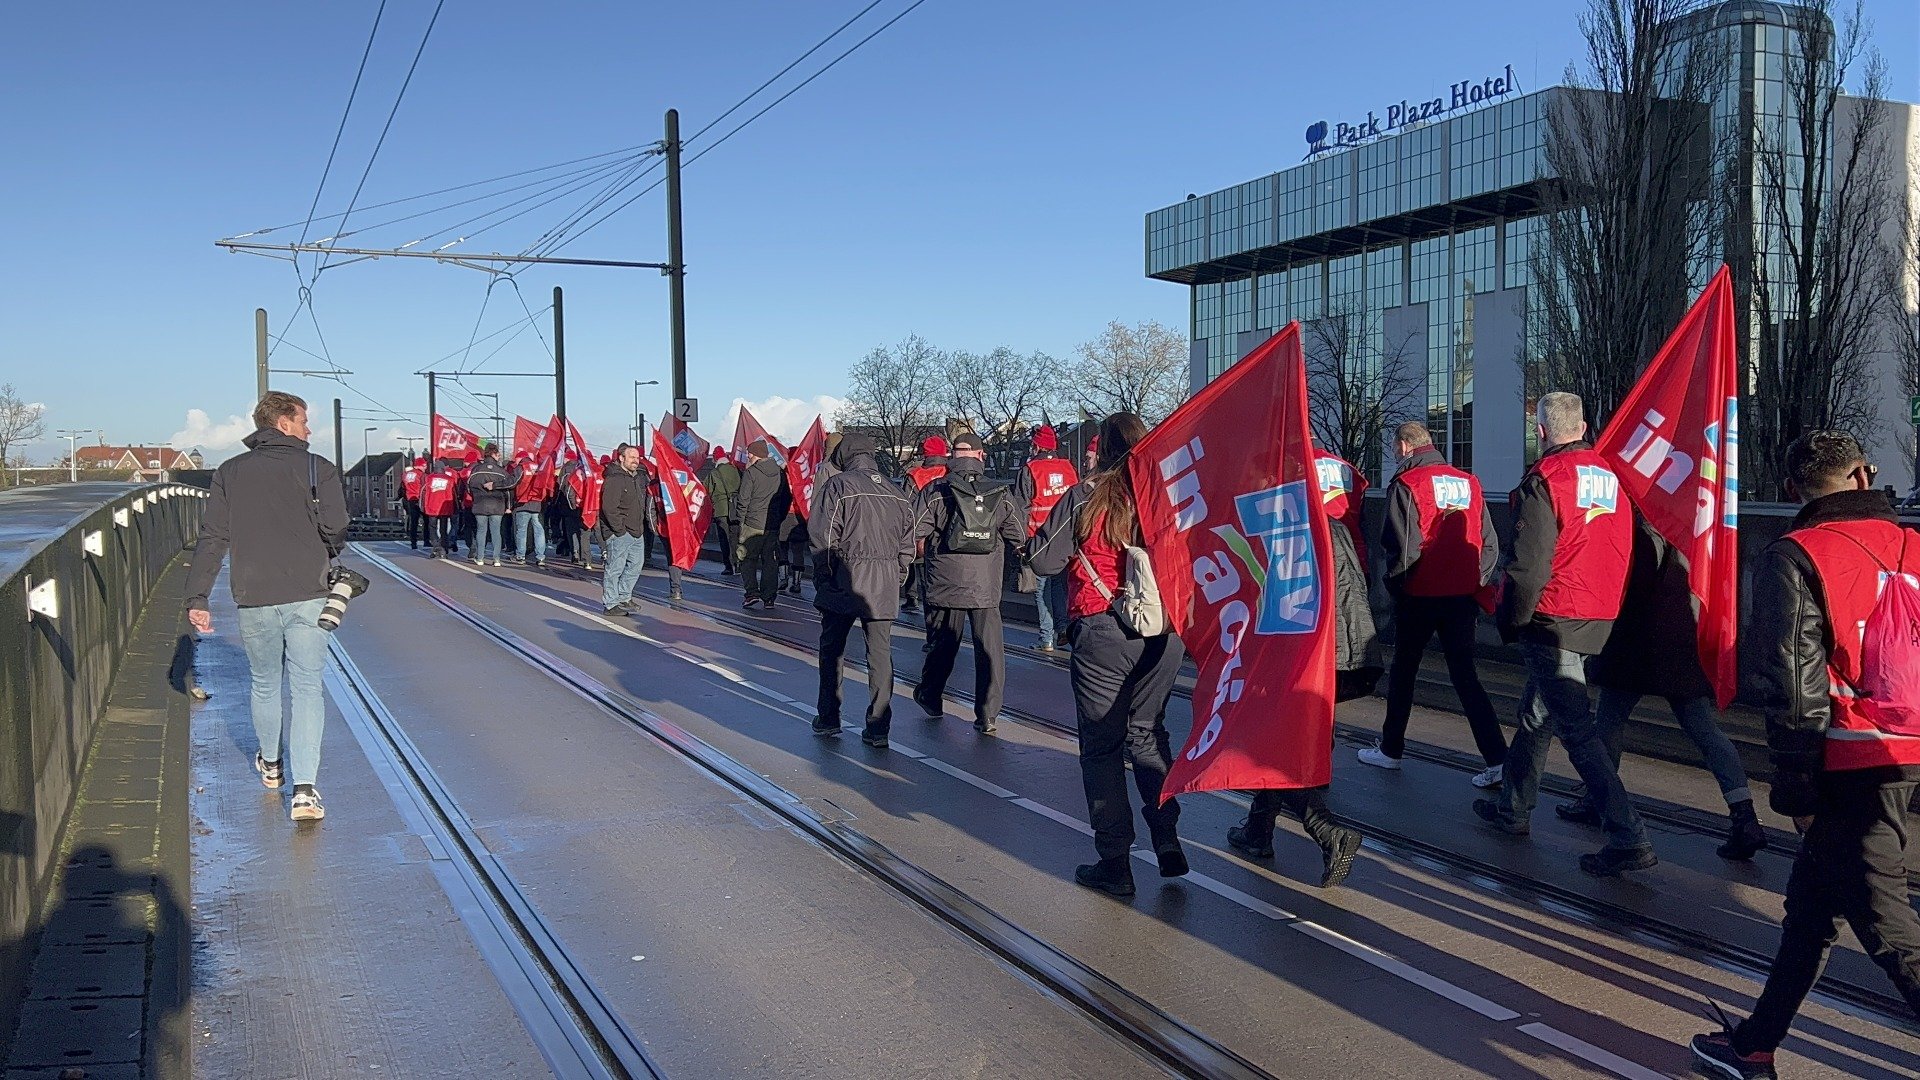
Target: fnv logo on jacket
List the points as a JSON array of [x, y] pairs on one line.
[[1597, 491], [1452, 493]]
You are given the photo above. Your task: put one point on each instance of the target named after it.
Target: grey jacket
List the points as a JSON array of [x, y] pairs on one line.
[[500, 499], [763, 500], [860, 536], [261, 513], [956, 580]]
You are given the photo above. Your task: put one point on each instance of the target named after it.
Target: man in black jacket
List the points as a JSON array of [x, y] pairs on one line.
[[966, 524], [491, 486], [763, 504], [1844, 779], [624, 506], [861, 537], [281, 512]]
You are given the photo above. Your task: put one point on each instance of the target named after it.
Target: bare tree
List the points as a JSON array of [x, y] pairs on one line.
[[1358, 385], [20, 422], [894, 394], [1821, 196], [1139, 369], [1902, 310], [1001, 392], [1627, 221]]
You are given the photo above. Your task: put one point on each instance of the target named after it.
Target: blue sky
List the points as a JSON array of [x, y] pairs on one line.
[[978, 174]]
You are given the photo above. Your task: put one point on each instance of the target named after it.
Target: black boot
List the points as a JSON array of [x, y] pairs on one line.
[[1111, 876], [1173, 859], [1745, 837], [1244, 840], [1336, 856]]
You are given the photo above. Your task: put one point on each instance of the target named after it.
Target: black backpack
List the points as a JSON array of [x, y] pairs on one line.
[[970, 519]]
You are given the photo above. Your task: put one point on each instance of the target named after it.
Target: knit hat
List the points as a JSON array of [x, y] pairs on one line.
[[1045, 439], [757, 448], [935, 446], [719, 453]]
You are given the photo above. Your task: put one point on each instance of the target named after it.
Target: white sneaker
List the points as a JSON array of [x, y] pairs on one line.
[[496, 562], [1376, 757], [1491, 776]]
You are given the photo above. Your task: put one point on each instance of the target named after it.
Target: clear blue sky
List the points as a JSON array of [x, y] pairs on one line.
[[978, 174]]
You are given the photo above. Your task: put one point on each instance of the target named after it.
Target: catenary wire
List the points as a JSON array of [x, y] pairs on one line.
[[344, 114]]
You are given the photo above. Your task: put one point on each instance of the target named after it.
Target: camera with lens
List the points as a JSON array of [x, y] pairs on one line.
[[342, 585]]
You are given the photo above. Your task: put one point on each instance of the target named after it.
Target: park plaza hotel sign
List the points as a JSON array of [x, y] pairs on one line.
[[1465, 94]]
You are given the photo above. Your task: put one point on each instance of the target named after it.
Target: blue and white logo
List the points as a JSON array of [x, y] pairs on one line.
[[1452, 493], [1291, 597], [1597, 490]]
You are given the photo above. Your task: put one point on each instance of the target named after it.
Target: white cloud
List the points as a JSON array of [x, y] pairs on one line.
[[787, 419], [216, 440]]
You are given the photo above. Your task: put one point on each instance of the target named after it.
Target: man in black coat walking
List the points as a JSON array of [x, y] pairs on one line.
[[763, 504], [860, 534]]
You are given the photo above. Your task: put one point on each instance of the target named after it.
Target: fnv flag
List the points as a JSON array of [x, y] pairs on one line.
[[803, 464], [748, 428], [692, 447], [1230, 505], [1675, 444], [450, 440], [684, 497]]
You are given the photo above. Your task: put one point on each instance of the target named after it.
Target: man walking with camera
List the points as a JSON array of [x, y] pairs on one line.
[[280, 511]]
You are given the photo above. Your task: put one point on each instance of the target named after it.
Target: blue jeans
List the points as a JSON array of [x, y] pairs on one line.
[[531, 534], [1050, 599], [623, 569], [488, 526], [1698, 718], [1555, 698], [286, 640]]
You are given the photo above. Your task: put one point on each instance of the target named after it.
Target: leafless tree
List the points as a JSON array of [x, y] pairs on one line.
[[1140, 369], [1000, 392], [1627, 219], [1358, 384], [20, 422], [1902, 308], [894, 393], [1817, 271]]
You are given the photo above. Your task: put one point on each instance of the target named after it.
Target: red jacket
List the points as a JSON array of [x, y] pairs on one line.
[[1042, 484], [1342, 491], [410, 478], [437, 493], [1449, 508], [1572, 551]]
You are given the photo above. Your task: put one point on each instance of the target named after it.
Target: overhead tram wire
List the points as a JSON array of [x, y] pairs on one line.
[[515, 326], [339, 131]]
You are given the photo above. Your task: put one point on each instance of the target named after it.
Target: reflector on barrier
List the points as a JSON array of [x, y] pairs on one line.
[[139, 506], [120, 517], [43, 599], [94, 543], [153, 496]]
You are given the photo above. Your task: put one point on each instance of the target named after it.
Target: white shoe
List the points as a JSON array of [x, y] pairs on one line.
[[496, 562], [1376, 757], [1491, 776]]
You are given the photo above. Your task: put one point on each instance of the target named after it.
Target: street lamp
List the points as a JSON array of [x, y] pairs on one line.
[[366, 467], [636, 407], [72, 435]]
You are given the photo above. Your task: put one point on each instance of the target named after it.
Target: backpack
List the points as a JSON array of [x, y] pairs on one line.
[[1138, 606], [1890, 650], [970, 528]]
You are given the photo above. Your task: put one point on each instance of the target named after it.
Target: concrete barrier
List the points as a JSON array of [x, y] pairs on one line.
[[78, 563]]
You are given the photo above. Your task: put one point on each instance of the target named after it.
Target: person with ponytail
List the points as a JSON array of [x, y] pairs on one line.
[[1121, 680]]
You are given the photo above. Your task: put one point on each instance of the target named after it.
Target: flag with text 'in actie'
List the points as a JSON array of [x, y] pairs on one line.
[[450, 440], [684, 497], [803, 464], [1675, 444], [1239, 539]]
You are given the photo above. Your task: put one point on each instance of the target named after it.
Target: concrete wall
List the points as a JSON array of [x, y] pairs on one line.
[[1898, 138], [55, 672]]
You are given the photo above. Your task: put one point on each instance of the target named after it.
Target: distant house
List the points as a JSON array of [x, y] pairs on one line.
[[143, 463], [374, 486]]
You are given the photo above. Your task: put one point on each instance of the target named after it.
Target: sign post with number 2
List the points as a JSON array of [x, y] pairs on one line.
[[686, 410]]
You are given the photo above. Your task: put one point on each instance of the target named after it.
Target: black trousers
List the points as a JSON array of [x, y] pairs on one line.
[[1120, 688], [1852, 868], [834, 629], [416, 524], [1415, 620], [440, 534], [1307, 804], [728, 530], [944, 626], [760, 574]]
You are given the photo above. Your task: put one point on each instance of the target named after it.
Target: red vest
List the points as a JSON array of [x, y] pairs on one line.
[[1850, 582], [924, 475], [1451, 510], [1591, 559], [1341, 489], [1052, 479], [536, 482], [436, 494], [410, 481]]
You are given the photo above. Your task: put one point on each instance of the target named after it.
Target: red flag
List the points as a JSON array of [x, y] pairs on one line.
[[689, 514], [692, 447], [1674, 442], [551, 437], [526, 435], [746, 429], [803, 463], [1229, 501], [450, 440]]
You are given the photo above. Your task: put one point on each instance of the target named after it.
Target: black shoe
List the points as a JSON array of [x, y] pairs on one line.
[[1580, 812], [986, 727], [909, 605], [794, 589], [1173, 861], [826, 728], [1242, 840], [1111, 876], [1336, 859], [749, 603], [1612, 862], [877, 740], [1713, 1054], [926, 646], [673, 596], [614, 610], [1491, 813], [1745, 837], [934, 709], [630, 605]]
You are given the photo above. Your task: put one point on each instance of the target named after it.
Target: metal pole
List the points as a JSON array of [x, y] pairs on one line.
[[433, 420], [559, 357], [676, 263], [260, 351], [339, 452]]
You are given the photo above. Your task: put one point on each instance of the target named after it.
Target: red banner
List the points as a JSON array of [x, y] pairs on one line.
[[1674, 442], [746, 429], [684, 497], [450, 440], [692, 447], [1229, 501], [803, 463], [526, 435]]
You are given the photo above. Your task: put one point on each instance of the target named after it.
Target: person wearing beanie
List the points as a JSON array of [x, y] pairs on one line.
[[933, 466], [1044, 481], [722, 478], [860, 544], [762, 505]]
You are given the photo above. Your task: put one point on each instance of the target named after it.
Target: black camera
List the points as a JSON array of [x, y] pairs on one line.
[[342, 585]]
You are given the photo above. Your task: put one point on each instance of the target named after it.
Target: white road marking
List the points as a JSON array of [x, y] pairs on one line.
[[1590, 1053]]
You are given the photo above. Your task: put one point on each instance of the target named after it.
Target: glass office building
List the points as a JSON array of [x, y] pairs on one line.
[[1426, 233]]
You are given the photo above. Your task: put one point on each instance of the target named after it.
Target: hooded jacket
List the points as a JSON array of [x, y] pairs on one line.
[[860, 536], [956, 580], [723, 489], [261, 513], [763, 500], [500, 499]]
